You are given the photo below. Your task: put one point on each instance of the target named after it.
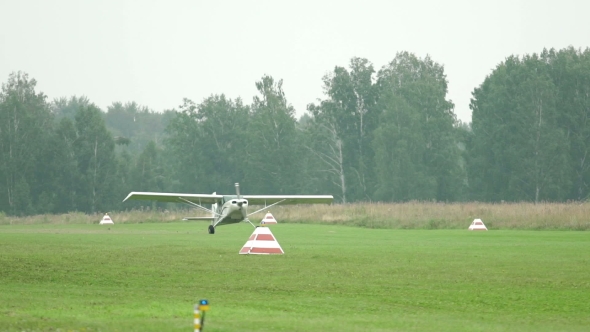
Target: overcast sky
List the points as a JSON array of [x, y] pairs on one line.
[[157, 52]]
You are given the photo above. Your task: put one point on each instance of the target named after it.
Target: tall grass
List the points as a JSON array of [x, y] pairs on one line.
[[126, 217], [411, 215], [427, 215]]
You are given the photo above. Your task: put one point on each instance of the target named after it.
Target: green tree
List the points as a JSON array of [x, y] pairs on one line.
[[67, 108], [322, 141], [400, 151], [68, 177], [416, 142], [272, 150], [147, 173], [223, 139], [517, 151], [487, 166], [183, 149], [124, 182], [206, 144], [135, 126], [25, 131], [95, 151], [350, 113], [570, 71], [318, 165], [541, 155]]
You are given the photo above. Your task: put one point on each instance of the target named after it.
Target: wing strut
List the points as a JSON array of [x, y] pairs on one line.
[[266, 207], [198, 206], [248, 220]]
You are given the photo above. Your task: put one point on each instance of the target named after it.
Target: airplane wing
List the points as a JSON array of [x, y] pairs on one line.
[[175, 198], [289, 199]]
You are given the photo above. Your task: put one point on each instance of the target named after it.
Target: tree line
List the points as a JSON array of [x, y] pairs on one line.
[[377, 135]]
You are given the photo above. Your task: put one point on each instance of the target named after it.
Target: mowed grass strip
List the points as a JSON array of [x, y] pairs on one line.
[[147, 277]]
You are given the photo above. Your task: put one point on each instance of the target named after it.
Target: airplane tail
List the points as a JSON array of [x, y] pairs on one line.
[[212, 217], [238, 190]]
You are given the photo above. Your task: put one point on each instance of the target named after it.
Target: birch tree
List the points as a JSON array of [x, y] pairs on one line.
[[25, 127], [272, 151], [349, 109], [95, 152], [416, 145], [517, 150]]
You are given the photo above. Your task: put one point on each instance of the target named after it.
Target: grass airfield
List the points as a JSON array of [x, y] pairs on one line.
[[147, 277]]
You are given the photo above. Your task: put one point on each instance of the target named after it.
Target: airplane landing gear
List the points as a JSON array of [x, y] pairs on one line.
[[211, 229]]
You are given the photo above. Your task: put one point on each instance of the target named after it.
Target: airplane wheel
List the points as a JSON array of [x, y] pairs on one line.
[[211, 229]]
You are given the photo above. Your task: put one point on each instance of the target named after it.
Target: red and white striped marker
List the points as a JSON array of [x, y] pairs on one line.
[[262, 242], [106, 220], [268, 219], [477, 225]]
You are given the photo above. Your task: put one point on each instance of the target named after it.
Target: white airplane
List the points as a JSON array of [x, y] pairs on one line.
[[234, 208]]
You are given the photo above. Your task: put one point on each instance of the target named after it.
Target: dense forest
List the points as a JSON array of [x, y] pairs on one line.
[[386, 135]]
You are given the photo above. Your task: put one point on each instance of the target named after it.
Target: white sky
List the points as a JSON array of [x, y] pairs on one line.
[[158, 52]]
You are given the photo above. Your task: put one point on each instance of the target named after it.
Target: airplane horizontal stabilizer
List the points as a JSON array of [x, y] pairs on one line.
[[198, 218], [288, 199]]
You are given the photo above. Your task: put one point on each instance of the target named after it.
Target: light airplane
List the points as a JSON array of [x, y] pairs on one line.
[[229, 209]]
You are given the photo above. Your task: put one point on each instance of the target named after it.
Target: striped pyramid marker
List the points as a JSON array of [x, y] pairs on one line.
[[262, 242], [106, 220], [477, 225], [268, 219]]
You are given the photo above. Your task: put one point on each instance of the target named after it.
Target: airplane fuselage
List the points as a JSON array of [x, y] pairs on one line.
[[233, 210]]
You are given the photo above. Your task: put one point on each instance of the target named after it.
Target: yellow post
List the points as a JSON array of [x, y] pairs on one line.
[[197, 319], [200, 320]]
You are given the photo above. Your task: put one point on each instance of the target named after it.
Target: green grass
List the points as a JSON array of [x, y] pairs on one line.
[[147, 277]]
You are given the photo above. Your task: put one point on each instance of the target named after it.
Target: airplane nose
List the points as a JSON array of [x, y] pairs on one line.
[[240, 204]]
